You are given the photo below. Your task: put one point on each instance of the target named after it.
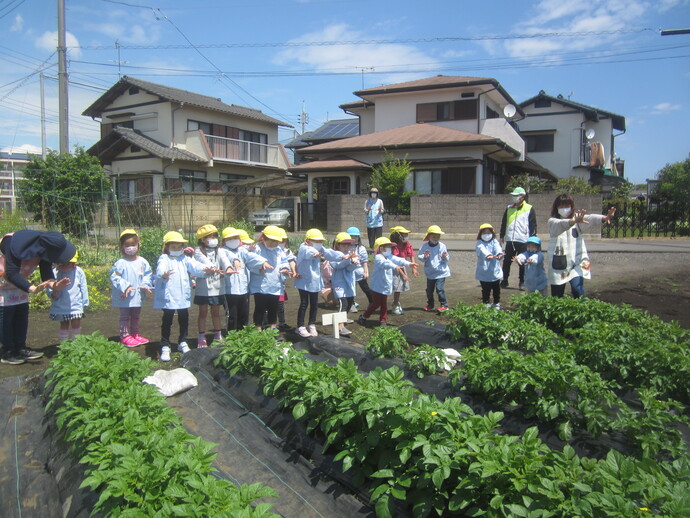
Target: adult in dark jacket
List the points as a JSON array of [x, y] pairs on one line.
[[22, 252], [518, 225]]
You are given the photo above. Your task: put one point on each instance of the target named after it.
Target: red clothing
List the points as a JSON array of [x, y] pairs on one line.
[[406, 252]]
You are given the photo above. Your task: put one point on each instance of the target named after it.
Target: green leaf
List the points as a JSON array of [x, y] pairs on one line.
[[299, 410]]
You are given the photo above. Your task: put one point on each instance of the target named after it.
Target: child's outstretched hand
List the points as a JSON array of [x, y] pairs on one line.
[[266, 266], [415, 269], [127, 292], [401, 271], [146, 289], [516, 259], [229, 270], [444, 255], [167, 274], [427, 254], [61, 284]]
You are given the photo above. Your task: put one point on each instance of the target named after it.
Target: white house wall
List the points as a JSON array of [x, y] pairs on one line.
[[213, 117]]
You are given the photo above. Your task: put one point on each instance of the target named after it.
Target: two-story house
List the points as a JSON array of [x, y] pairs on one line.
[[155, 138], [452, 130], [572, 139]]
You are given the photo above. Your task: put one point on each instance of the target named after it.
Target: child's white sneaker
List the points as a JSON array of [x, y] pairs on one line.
[[397, 310], [165, 354], [312, 330], [497, 305], [302, 331], [183, 347]]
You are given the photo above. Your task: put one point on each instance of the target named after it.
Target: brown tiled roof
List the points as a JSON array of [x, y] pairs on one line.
[[414, 135], [590, 112], [428, 83], [120, 138], [356, 104], [180, 96], [330, 165]]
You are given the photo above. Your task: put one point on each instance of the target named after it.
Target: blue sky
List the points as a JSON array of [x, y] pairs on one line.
[[605, 53]]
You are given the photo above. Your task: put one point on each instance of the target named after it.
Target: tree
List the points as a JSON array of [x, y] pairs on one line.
[[64, 190], [674, 182], [389, 178], [531, 184], [575, 185]]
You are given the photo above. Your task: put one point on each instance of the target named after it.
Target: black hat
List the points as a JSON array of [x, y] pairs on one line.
[[48, 246]]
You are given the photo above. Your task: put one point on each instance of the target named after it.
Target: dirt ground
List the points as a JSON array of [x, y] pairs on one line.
[[657, 282]]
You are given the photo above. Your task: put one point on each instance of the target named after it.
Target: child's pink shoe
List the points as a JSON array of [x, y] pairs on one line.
[[130, 341], [142, 340], [201, 342]]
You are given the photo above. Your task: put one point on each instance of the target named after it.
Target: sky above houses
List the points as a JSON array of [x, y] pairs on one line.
[[281, 56]]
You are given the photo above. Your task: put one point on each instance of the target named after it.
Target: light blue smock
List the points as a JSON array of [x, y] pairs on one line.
[[175, 292], [126, 274], [212, 284], [268, 282], [237, 283], [435, 267], [382, 276], [363, 258], [74, 298], [343, 279], [535, 276], [309, 269], [488, 270]]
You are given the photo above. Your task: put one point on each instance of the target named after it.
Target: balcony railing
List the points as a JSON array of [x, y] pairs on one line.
[[233, 150]]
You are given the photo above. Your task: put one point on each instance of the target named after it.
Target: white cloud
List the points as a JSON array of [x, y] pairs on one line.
[[352, 58], [665, 5], [18, 23], [49, 39], [663, 108], [136, 34], [574, 16]]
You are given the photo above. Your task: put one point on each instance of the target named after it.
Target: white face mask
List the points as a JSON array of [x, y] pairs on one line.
[[211, 243], [487, 237], [516, 199], [232, 243], [373, 195], [405, 239], [318, 246], [387, 252], [433, 241], [175, 253], [564, 211], [130, 250]]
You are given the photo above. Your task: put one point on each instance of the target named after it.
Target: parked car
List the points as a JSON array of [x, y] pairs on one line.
[[280, 212]]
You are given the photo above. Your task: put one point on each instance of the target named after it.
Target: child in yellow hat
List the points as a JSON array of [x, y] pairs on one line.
[[209, 289], [130, 279], [435, 257], [69, 301]]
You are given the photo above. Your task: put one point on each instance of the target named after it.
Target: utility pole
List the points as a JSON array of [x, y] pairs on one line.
[[303, 118], [63, 103], [43, 118]]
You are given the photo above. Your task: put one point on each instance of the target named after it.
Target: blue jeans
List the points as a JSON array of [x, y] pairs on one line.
[[440, 286], [14, 322], [577, 286]]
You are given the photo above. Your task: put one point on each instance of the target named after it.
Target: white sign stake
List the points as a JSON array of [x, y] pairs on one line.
[[334, 319]]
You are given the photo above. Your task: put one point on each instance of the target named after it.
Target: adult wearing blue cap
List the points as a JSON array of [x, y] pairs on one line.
[[518, 224], [21, 253]]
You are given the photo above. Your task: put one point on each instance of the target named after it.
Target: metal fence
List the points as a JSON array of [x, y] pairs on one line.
[[640, 219]]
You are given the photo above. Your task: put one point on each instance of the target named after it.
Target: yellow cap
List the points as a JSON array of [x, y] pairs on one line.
[[206, 230], [434, 229], [314, 234], [283, 233], [400, 229], [75, 258], [485, 225], [173, 237], [344, 237], [244, 237], [128, 232], [229, 232], [381, 241], [273, 232]]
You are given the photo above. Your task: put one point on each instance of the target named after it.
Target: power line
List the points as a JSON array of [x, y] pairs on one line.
[[441, 39]]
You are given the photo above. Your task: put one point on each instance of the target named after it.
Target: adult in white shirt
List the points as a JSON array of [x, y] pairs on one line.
[[373, 208]]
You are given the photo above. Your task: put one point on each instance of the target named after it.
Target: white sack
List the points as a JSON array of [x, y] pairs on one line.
[[172, 382]]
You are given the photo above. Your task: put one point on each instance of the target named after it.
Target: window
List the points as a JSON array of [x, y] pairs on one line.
[[227, 179], [254, 152], [193, 181], [196, 125], [134, 149], [451, 110], [542, 103], [539, 143], [454, 180], [124, 124], [490, 114]]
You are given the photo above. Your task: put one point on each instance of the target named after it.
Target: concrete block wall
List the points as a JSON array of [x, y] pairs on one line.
[[459, 215]]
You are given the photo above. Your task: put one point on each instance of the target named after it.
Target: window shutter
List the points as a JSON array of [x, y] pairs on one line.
[[426, 112]]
